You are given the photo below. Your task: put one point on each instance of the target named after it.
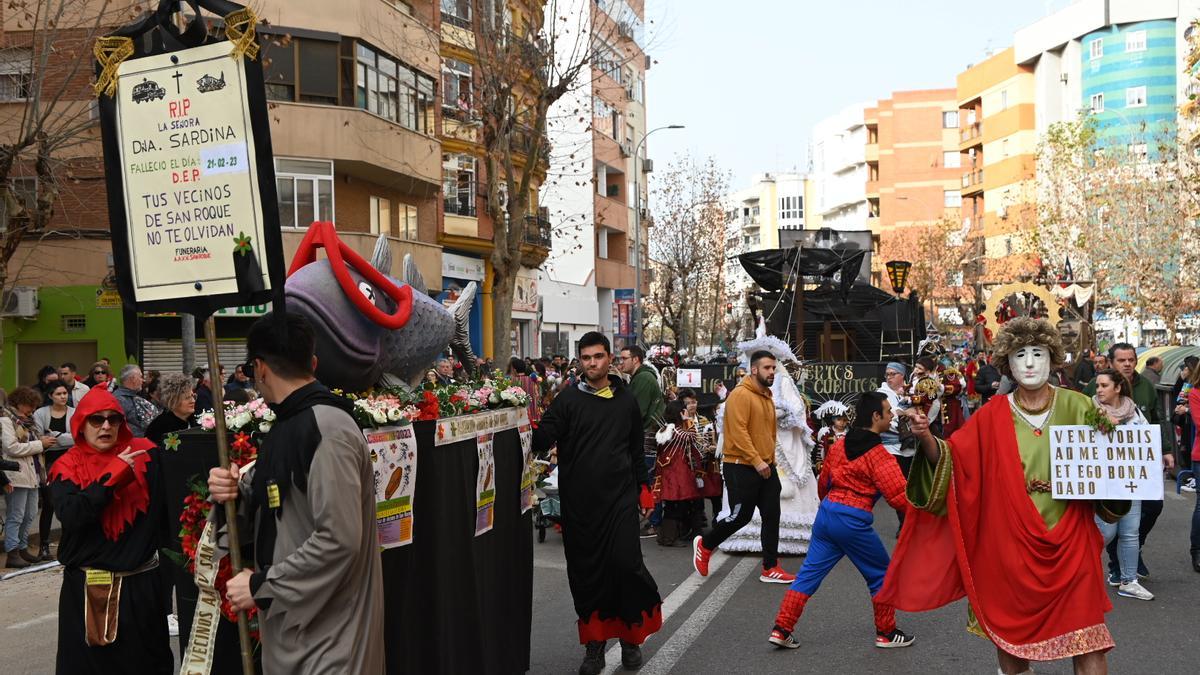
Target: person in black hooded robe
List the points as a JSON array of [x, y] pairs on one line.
[[597, 427]]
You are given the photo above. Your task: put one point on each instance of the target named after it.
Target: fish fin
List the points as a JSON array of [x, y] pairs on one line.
[[460, 343], [412, 275], [381, 258]]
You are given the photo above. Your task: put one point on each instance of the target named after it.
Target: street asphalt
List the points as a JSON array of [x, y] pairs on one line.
[[720, 624]]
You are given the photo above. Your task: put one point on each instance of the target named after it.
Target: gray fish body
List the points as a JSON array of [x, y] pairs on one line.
[[353, 352]]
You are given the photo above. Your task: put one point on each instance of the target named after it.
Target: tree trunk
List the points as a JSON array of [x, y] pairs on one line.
[[504, 283]]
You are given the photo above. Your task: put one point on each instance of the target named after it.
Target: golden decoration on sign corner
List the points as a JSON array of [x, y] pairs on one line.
[[239, 28], [110, 52]]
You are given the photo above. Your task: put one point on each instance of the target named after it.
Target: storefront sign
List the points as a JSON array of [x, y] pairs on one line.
[[461, 267], [190, 181], [1088, 464], [107, 298]]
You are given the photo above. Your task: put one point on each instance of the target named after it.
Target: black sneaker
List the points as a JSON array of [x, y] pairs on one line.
[[631, 656], [782, 639], [894, 640], [649, 531], [593, 659], [1143, 572], [1114, 579]]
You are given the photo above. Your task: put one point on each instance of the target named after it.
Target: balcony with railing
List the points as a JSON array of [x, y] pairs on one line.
[[970, 135], [972, 181], [537, 231]]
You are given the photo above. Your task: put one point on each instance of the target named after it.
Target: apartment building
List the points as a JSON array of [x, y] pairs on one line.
[[467, 229], [998, 146], [599, 161], [757, 218], [359, 114], [839, 169], [1119, 60]]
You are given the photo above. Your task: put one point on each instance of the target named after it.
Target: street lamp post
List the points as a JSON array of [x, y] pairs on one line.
[[637, 233]]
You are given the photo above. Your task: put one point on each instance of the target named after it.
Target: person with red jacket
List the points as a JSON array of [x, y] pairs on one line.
[[857, 470]]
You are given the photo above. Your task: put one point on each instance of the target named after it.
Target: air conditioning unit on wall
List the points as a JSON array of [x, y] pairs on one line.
[[19, 302]]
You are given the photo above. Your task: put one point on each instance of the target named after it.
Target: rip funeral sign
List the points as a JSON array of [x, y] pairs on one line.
[[1086, 463], [191, 185]]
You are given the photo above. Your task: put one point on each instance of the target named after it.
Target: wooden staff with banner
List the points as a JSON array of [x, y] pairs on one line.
[[190, 180]]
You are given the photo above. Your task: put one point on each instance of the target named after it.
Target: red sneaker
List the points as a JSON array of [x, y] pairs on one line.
[[700, 556], [776, 575]]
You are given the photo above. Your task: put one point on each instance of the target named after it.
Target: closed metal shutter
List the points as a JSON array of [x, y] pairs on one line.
[[166, 356]]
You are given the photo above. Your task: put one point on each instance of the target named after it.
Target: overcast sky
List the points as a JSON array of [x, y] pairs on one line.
[[750, 78]]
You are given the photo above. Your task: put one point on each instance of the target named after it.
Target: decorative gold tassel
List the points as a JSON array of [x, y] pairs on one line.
[[110, 52], [239, 28]]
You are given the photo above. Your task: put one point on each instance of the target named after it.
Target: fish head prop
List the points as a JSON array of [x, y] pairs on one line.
[[369, 326]]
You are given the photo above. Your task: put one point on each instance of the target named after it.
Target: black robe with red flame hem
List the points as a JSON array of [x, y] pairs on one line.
[[601, 477]]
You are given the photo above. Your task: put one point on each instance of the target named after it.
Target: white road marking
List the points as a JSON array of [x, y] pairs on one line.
[[33, 622], [668, 655], [551, 565], [673, 602]]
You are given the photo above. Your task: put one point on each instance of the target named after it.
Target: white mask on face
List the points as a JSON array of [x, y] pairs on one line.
[[1030, 366]]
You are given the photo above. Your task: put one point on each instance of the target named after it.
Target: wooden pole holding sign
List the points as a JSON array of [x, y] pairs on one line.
[[235, 549]]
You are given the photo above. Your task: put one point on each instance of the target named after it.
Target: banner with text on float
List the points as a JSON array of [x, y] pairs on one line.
[[1086, 463], [393, 452], [454, 429]]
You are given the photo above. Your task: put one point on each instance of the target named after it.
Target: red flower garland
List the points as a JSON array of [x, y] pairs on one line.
[[195, 514]]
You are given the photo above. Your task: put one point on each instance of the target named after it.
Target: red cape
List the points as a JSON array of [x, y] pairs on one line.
[[1034, 591], [83, 465]]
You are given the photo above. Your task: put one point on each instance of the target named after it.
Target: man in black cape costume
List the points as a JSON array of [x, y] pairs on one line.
[[597, 427]]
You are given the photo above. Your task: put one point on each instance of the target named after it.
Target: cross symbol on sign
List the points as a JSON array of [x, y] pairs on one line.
[[1132, 487], [177, 75]]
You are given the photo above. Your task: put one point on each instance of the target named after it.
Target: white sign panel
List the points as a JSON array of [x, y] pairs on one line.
[[1088, 464], [688, 377], [190, 174]]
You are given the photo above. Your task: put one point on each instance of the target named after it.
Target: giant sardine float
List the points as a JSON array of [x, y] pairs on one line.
[[371, 327]]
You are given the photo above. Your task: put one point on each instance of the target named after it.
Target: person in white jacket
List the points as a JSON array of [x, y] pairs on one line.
[[21, 444], [52, 420]]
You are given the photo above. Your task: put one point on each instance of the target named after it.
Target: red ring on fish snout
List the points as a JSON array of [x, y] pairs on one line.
[[323, 235]]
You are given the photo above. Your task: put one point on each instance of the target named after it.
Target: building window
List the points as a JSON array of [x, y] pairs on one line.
[[1096, 49], [606, 118], [408, 221], [456, 89], [16, 74], [791, 208], [951, 199], [1135, 41], [381, 216], [1097, 103], [74, 323], [607, 60], [389, 88], [950, 119], [457, 13], [1138, 152], [1008, 246], [305, 189], [1004, 99], [458, 184], [951, 159], [1135, 97], [401, 5]]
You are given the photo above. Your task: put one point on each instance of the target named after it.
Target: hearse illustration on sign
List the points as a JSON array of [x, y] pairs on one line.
[[209, 83], [148, 90]]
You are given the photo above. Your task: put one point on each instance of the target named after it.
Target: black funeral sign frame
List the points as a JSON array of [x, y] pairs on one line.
[[189, 169]]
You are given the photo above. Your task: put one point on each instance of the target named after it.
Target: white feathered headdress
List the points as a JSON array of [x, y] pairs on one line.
[[761, 340], [831, 408]]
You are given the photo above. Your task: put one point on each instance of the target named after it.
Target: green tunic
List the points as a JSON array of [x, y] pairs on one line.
[[928, 483]]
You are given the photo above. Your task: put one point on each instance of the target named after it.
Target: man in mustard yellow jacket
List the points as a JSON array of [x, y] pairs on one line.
[[751, 480]]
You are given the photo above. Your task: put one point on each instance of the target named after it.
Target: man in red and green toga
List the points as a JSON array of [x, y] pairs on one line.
[[985, 525]]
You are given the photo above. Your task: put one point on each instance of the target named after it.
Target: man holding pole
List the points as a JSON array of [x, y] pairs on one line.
[[318, 583]]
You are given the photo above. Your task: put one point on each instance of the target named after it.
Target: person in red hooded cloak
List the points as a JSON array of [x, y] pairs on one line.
[[108, 497]]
